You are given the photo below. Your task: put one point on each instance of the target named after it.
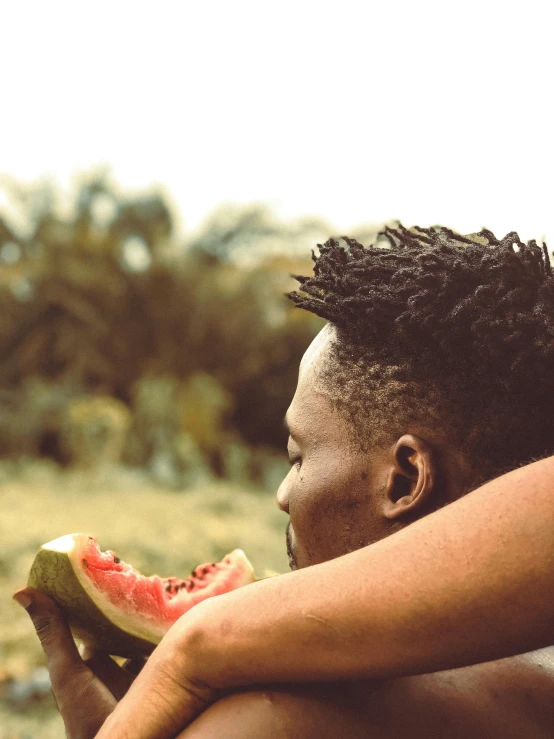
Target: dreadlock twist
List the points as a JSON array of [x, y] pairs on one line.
[[441, 328]]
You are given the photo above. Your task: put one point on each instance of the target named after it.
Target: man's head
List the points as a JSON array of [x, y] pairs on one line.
[[435, 373]]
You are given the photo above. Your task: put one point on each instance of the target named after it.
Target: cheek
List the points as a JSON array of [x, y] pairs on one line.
[[323, 506]]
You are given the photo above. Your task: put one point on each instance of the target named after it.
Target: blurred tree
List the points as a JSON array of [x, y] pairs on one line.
[[102, 299], [252, 233]]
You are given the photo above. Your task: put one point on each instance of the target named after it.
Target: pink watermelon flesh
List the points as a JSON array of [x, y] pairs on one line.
[[160, 599]]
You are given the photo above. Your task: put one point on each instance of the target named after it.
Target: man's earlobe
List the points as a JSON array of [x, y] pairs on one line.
[[411, 477]]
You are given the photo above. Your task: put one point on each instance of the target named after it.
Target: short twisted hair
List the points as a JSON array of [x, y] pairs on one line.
[[445, 330]]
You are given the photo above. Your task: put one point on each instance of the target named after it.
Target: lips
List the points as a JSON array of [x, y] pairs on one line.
[[290, 551]]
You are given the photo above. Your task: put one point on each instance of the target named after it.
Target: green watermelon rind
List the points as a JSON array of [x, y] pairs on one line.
[[53, 574]]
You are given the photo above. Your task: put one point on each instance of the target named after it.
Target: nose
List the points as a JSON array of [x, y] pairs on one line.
[[283, 495]]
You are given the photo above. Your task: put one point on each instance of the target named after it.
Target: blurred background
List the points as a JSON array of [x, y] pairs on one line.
[[164, 169]]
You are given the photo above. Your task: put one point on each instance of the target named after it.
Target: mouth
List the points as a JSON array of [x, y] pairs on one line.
[[290, 552]]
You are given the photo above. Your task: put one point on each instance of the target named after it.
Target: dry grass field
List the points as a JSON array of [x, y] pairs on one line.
[[157, 531]]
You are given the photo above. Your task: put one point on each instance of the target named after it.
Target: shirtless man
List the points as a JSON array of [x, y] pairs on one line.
[[398, 412]]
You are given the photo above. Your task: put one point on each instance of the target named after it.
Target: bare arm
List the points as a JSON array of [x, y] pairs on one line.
[[469, 583]]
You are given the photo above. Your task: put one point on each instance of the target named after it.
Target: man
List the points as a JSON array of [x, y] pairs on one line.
[[403, 406]]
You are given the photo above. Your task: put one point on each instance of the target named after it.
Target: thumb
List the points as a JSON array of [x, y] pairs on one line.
[[53, 631]]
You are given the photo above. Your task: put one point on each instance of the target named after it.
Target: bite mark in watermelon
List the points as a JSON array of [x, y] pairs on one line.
[[113, 607]]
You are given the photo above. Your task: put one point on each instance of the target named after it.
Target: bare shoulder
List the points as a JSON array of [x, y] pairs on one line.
[[504, 699], [283, 712], [508, 699]]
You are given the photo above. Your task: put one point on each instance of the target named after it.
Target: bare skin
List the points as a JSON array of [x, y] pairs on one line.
[[508, 699], [340, 501], [424, 614]]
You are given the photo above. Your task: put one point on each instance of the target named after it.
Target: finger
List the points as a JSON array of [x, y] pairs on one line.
[[115, 678], [53, 631], [83, 701]]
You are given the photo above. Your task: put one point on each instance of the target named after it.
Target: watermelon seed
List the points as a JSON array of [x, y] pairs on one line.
[[85, 563], [205, 570], [116, 560]]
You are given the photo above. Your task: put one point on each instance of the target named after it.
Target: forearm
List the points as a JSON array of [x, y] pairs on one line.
[[469, 583]]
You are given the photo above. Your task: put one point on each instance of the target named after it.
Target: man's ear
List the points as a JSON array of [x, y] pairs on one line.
[[411, 477]]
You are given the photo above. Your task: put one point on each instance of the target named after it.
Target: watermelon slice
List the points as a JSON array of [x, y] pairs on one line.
[[111, 606]]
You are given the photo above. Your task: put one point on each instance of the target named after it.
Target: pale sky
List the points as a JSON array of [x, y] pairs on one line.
[[431, 112]]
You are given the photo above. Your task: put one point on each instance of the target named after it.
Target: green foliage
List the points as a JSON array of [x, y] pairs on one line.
[[105, 300]]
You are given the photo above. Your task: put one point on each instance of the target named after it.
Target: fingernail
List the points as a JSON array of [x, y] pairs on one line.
[[23, 598]]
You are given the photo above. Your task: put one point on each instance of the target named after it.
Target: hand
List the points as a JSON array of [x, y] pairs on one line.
[[172, 689], [86, 688]]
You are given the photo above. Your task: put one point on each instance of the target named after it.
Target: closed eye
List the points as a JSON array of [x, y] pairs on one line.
[[296, 462]]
